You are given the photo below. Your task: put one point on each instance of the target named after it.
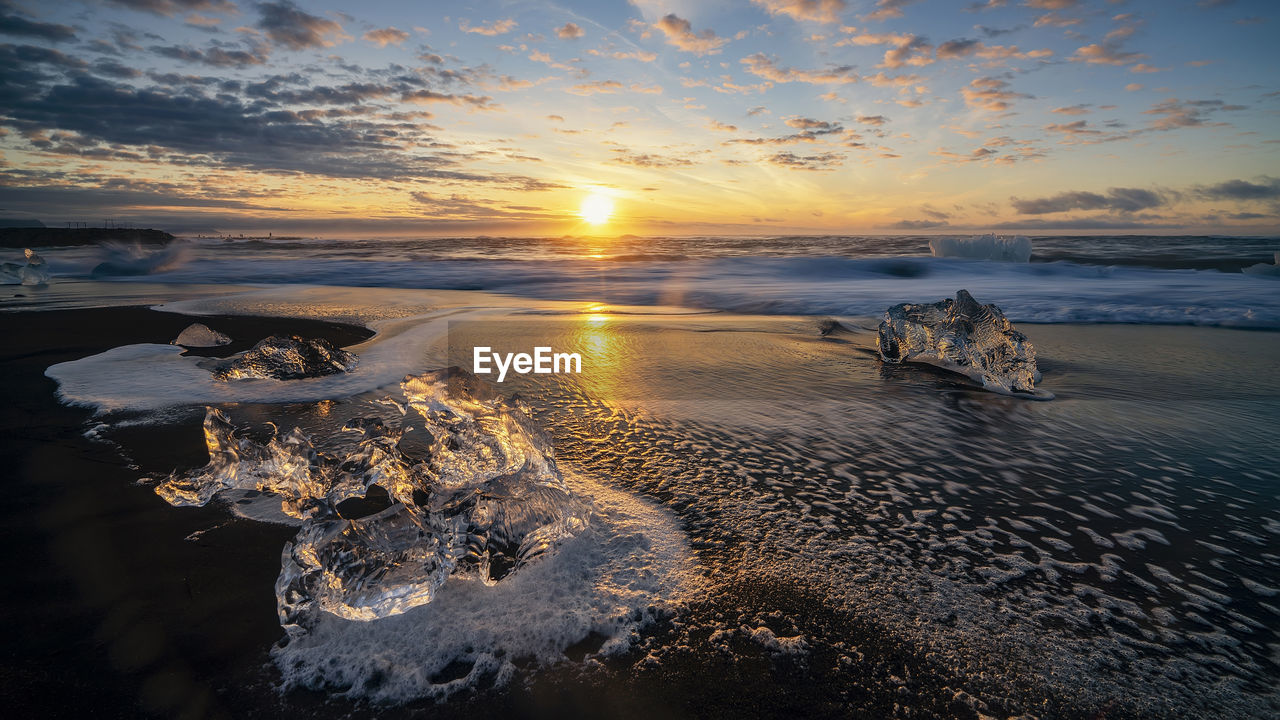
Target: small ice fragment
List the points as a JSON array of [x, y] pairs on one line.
[[200, 335], [985, 247], [962, 336], [1264, 269], [288, 358]]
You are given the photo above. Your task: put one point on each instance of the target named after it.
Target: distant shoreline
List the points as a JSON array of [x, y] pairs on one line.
[[61, 237]]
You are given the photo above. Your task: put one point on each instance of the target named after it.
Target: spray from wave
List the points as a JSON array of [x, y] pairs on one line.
[[129, 260]]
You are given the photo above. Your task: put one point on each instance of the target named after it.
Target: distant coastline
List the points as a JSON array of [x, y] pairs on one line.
[[25, 237]]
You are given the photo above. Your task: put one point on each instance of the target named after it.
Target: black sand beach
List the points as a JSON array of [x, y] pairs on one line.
[[130, 607]]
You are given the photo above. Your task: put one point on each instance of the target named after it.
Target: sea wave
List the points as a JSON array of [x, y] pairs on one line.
[[1032, 292]]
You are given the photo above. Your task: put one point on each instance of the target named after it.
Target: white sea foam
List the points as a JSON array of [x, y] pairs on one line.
[[632, 565], [411, 329]]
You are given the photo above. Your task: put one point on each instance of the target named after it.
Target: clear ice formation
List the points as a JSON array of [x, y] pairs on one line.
[[985, 247], [472, 483], [35, 272], [200, 335], [965, 337], [287, 358]]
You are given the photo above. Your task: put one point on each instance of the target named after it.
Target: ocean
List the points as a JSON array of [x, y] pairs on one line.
[[750, 512]]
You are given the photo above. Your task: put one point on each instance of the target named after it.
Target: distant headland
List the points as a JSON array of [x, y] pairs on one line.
[[25, 237]]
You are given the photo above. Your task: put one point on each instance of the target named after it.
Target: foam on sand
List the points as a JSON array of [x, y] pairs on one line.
[[411, 329], [631, 566]]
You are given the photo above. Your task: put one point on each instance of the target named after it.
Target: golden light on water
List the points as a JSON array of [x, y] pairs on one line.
[[596, 208]]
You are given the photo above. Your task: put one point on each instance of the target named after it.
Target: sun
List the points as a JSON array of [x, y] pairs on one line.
[[596, 208]]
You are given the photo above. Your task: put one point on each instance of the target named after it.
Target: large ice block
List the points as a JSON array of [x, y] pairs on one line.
[[963, 336], [478, 494]]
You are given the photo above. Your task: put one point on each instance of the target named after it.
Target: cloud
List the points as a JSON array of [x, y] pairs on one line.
[[721, 127], [1125, 200], [876, 120], [886, 9], [386, 36], [990, 93], [1071, 110], [213, 56], [913, 52], [958, 48], [427, 97], [763, 66], [1080, 132], [569, 31], [172, 7], [290, 27], [1106, 53], [187, 127], [821, 161], [953, 49], [21, 27], [1052, 4], [498, 27], [648, 160], [1267, 189], [641, 55], [906, 49], [811, 131], [598, 87], [919, 224], [680, 34], [1172, 114], [823, 11]]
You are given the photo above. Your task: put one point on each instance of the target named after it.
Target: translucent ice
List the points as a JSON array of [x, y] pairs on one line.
[[200, 335], [288, 358], [35, 272], [985, 247], [476, 493], [963, 336]]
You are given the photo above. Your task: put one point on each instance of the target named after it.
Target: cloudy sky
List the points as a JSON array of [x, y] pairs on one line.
[[692, 116]]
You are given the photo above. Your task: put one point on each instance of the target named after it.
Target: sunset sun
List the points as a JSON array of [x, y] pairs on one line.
[[596, 209]]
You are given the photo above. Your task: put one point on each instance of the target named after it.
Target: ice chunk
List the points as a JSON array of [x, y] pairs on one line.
[[200, 335], [35, 272], [289, 467], [1265, 269], [479, 495], [963, 336], [985, 247], [288, 358]]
